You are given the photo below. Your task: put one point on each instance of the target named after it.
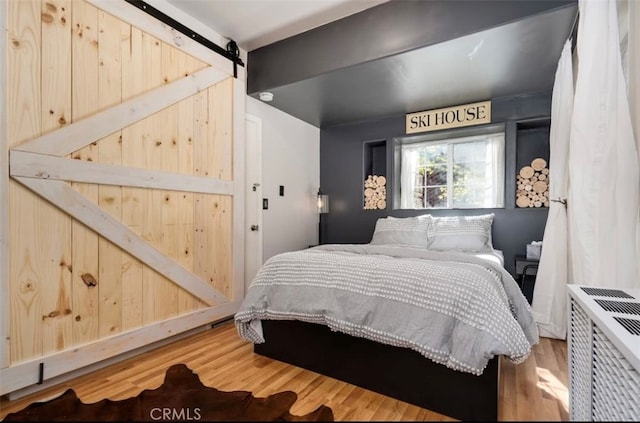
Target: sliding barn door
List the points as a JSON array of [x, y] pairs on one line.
[[125, 185]]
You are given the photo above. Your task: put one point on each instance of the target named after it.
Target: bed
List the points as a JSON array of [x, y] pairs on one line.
[[422, 313]]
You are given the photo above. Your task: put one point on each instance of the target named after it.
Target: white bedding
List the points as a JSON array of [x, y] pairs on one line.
[[495, 256], [458, 309]]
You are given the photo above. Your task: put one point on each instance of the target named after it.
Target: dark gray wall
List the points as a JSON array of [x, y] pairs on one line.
[[342, 166]]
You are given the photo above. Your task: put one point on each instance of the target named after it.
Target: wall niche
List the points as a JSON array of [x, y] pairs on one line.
[[532, 163], [374, 186]]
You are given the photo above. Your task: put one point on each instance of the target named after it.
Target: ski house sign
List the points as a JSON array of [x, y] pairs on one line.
[[450, 117]]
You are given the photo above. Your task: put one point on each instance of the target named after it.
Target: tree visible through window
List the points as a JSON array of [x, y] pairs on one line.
[[454, 173]]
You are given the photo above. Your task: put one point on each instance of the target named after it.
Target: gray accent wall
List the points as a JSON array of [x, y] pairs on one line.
[[343, 154]]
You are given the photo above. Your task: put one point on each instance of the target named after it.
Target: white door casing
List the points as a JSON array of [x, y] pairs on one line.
[[253, 195]]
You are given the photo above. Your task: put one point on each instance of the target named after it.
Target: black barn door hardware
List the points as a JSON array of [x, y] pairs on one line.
[[231, 52]]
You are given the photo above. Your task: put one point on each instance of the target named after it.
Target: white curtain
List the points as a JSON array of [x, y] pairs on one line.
[[407, 176], [549, 295], [603, 187], [494, 196], [633, 81], [603, 161]]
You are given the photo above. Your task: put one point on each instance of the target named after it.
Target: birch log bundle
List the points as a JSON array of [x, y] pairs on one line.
[[532, 185], [375, 192]]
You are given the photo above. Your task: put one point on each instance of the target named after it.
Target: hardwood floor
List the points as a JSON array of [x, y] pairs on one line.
[[534, 390]]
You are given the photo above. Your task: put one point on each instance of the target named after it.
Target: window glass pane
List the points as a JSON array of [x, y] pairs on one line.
[[434, 153], [471, 168], [436, 174], [469, 172], [469, 151], [473, 171], [468, 196], [436, 197]]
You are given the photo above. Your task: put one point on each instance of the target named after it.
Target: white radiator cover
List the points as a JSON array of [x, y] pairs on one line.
[[604, 357]]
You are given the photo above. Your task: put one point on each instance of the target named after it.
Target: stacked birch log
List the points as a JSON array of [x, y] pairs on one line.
[[533, 185], [375, 192]]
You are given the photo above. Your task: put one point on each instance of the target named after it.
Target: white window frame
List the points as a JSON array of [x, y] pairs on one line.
[[450, 139]]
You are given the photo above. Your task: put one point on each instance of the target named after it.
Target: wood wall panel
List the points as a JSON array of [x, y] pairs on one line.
[[151, 200], [5, 311], [23, 123], [84, 95], [54, 226], [220, 155], [212, 237], [132, 268], [219, 242], [185, 200], [200, 168], [69, 287], [167, 291], [56, 64], [110, 76]]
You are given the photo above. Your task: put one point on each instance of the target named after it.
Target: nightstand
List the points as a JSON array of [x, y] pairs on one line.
[[526, 271]]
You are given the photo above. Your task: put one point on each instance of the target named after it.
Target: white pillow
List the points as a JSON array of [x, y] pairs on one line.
[[411, 231], [461, 233]]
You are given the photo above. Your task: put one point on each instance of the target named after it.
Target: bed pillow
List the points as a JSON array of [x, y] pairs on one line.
[[411, 231], [461, 233]]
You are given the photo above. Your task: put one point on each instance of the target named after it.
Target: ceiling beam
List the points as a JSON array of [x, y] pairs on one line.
[[385, 30]]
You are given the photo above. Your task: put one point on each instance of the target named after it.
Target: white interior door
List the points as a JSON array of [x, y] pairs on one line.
[[253, 205]]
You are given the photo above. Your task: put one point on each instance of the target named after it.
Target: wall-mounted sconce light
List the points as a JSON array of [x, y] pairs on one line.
[[323, 203], [323, 208]]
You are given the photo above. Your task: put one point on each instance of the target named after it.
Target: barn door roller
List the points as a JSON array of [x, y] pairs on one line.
[[232, 52]]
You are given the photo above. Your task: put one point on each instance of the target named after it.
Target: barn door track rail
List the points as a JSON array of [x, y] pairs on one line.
[[232, 52]]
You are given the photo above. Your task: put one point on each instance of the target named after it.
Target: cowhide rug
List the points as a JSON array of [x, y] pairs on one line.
[[182, 397]]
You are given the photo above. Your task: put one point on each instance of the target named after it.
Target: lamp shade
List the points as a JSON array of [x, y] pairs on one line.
[[323, 203]]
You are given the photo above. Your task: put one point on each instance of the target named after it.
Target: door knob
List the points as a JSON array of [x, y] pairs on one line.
[[254, 227]]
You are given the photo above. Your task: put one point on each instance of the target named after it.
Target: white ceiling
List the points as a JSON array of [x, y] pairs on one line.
[[256, 23]]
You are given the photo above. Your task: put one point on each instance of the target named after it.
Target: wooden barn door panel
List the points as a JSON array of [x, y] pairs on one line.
[[54, 226], [85, 102], [24, 97], [4, 196], [132, 221], [99, 222]]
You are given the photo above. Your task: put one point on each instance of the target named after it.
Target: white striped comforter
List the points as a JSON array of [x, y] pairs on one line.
[[455, 309]]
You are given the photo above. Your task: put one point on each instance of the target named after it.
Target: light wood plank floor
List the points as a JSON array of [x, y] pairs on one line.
[[534, 390]]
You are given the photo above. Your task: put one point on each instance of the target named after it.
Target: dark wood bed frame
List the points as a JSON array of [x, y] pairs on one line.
[[397, 372]]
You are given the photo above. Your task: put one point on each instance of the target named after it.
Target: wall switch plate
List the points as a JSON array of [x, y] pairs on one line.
[[265, 204], [281, 190]]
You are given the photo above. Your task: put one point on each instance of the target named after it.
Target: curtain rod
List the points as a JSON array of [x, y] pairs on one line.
[[231, 52]]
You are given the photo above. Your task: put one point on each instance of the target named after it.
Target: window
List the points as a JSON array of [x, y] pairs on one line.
[[465, 172]]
